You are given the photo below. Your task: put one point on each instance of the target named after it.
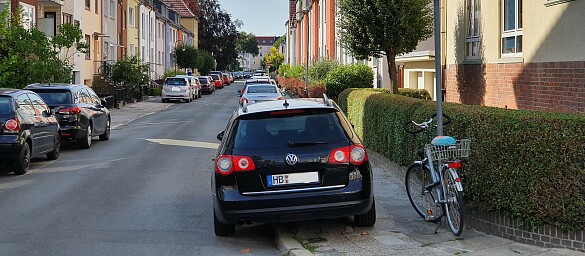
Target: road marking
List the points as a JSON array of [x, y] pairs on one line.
[[185, 143]]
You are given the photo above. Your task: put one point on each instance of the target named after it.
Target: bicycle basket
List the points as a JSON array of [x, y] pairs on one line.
[[459, 150]]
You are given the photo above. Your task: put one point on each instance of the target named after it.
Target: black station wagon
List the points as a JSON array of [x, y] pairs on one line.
[[290, 160], [28, 129]]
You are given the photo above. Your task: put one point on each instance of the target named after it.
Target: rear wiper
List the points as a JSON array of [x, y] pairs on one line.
[[304, 143]]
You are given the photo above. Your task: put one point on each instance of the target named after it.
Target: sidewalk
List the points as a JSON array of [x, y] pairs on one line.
[[398, 230], [133, 111]]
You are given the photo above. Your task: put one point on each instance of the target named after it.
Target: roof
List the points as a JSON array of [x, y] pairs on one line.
[[52, 86], [180, 7], [310, 103], [7, 91]]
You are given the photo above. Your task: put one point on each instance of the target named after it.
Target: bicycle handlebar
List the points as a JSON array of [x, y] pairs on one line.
[[424, 125]]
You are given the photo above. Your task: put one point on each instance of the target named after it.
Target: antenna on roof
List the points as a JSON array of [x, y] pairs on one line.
[[325, 100], [285, 104], [244, 107]]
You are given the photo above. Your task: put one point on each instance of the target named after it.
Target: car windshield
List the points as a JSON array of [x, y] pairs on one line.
[[215, 77], [203, 80], [289, 131], [176, 82], [55, 97], [5, 106], [261, 89]]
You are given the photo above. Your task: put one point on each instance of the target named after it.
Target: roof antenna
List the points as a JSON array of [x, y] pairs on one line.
[[325, 100], [285, 104]]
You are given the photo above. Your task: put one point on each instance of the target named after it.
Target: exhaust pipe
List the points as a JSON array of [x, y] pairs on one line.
[[249, 221], [241, 222]]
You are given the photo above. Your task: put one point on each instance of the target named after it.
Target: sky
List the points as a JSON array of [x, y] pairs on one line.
[[260, 17]]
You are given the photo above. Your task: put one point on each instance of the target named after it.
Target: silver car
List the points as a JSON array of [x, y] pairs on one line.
[[177, 88], [255, 93], [195, 85]]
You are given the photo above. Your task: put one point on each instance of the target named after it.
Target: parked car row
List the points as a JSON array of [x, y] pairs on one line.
[[187, 88], [34, 121]]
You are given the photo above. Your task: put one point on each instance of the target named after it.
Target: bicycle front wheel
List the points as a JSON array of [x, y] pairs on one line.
[[417, 178], [453, 203]]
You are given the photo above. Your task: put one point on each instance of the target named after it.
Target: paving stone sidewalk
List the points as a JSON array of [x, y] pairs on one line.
[[133, 111]]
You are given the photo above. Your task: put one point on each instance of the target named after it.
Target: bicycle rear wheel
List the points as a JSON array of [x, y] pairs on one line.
[[423, 201], [454, 203]]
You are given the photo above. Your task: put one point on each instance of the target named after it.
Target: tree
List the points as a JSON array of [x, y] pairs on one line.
[[274, 57], [372, 28], [130, 72], [208, 63], [187, 56], [279, 41], [28, 56], [247, 43], [218, 33]]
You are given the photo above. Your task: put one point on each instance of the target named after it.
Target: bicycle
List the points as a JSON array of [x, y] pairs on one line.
[[433, 193]]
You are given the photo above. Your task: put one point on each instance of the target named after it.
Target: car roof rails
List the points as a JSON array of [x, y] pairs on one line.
[[326, 100]]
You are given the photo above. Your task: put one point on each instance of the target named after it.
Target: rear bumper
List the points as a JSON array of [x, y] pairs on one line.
[[230, 205], [175, 95], [9, 147], [72, 132], [206, 89]]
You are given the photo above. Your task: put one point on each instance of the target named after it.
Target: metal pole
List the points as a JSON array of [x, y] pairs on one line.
[[308, 42], [438, 69]]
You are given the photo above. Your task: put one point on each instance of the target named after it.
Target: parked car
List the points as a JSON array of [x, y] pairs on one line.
[[217, 80], [207, 84], [82, 115], [226, 79], [195, 85], [256, 93], [263, 80], [232, 78], [290, 160], [247, 75], [177, 88], [28, 129]]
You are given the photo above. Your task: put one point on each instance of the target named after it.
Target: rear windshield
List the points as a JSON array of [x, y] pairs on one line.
[[261, 89], [214, 76], [203, 80], [176, 81], [55, 97], [279, 132], [5, 106]]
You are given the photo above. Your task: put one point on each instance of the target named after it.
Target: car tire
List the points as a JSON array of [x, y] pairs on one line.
[[23, 161], [85, 142], [164, 100], [367, 219], [222, 229], [106, 135], [54, 155]]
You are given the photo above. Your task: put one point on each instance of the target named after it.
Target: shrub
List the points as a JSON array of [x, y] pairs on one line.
[[154, 91], [283, 69], [348, 76], [524, 164], [172, 73], [318, 70], [296, 71], [415, 93]]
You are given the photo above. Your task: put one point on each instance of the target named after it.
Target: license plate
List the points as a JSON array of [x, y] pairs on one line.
[[293, 178], [175, 89]]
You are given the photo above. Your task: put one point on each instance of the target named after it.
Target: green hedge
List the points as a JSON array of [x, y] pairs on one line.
[[348, 76], [525, 164], [415, 93]]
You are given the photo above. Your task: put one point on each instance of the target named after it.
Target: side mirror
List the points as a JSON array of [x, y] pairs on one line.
[[220, 135]]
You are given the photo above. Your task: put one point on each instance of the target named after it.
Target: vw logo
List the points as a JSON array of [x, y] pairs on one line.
[[291, 159]]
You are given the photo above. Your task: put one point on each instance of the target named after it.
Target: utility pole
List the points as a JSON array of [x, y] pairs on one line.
[[438, 69]]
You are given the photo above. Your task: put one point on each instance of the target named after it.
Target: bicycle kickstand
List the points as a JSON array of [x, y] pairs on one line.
[[439, 226]]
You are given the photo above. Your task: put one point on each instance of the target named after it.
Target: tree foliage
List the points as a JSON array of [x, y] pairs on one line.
[[208, 63], [28, 56], [187, 56], [218, 33], [130, 72], [384, 27], [274, 57], [247, 43]]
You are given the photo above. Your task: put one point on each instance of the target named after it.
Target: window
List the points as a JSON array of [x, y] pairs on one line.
[[67, 18], [131, 18], [88, 42], [87, 4], [473, 37], [105, 10], [97, 5], [263, 41], [511, 28], [131, 47], [25, 105], [112, 9], [142, 27]]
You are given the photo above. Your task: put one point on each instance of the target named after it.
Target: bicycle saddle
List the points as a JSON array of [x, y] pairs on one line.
[[443, 141]]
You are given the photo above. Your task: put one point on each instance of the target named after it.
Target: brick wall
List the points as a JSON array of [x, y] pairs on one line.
[[547, 86], [546, 236]]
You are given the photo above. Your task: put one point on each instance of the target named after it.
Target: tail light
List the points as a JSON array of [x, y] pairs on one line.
[[12, 126], [69, 110], [226, 164], [355, 154], [280, 98], [454, 165]]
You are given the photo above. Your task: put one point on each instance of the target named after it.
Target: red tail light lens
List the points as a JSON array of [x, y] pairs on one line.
[[355, 154], [226, 164], [12, 125], [69, 110], [454, 165]]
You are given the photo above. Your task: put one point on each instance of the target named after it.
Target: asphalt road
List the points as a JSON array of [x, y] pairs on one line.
[[146, 191]]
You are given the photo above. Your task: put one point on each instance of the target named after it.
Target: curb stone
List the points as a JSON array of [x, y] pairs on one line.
[[288, 245]]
